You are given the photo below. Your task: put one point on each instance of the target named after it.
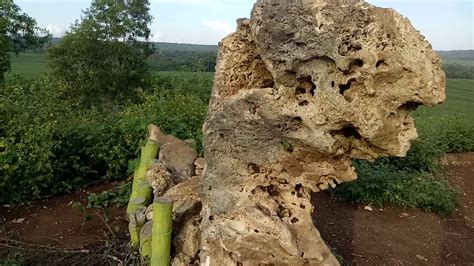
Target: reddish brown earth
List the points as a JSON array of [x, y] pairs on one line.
[[393, 236], [383, 236], [54, 222]]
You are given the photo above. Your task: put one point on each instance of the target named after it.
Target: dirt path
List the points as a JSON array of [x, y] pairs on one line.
[[390, 236], [403, 237]]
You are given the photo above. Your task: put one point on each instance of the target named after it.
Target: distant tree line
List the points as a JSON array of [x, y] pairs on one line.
[[457, 54], [191, 61], [457, 71]]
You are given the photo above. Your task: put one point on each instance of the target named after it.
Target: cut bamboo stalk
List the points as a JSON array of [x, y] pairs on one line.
[[162, 228], [137, 220], [142, 192], [145, 240]]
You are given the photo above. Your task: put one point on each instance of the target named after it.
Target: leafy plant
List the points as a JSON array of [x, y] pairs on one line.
[[117, 197], [50, 145], [14, 258], [103, 57], [381, 183]]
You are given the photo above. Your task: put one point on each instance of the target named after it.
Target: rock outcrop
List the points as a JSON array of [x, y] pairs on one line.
[[300, 89]]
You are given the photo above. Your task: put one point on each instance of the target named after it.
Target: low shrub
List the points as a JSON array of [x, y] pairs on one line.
[[380, 183], [50, 145], [118, 197]]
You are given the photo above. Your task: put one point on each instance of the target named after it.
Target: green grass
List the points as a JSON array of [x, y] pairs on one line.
[[32, 65], [450, 125], [29, 65]]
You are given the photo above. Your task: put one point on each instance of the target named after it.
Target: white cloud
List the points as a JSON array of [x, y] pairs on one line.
[[56, 30], [218, 26]]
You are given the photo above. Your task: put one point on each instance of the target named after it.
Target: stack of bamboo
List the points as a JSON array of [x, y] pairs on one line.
[[152, 238]]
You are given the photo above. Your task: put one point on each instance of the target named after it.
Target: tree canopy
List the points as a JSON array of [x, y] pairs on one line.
[[18, 32], [103, 56]]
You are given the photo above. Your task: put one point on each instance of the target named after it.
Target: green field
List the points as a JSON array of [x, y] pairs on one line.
[[460, 92], [466, 63], [29, 65]]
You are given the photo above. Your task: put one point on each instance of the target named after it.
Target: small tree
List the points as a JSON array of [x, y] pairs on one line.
[[18, 32], [104, 55]]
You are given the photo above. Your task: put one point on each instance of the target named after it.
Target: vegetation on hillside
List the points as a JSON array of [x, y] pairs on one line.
[[18, 32], [457, 54]]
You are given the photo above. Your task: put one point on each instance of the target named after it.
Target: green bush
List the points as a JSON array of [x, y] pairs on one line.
[[381, 183], [49, 145], [118, 197]]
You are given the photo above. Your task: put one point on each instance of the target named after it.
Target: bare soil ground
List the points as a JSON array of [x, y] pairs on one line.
[[394, 236], [390, 235]]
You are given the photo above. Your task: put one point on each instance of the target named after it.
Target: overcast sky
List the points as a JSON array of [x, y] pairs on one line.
[[447, 24]]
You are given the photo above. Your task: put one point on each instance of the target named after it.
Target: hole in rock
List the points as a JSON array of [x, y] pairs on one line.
[[290, 72], [302, 253], [294, 220], [303, 103], [268, 83], [253, 168], [380, 63], [357, 62], [272, 191], [344, 87], [410, 106], [307, 84], [297, 119], [299, 190], [333, 84], [264, 210], [211, 218], [300, 90], [209, 188], [282, 212], [256, 231], [348, 131], [302, 206]]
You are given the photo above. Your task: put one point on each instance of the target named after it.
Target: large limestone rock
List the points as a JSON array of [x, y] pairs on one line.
[[300, 89], [177, 156]]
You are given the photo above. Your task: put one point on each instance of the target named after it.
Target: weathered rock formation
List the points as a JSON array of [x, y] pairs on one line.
[[300, 89]]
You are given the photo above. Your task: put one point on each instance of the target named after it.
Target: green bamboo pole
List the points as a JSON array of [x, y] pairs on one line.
[[142, 192], [162, 228], [145, 240], [137, 220]]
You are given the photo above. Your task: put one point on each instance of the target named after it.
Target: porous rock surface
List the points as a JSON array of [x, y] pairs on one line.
[[300, 89], [177, 156]]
